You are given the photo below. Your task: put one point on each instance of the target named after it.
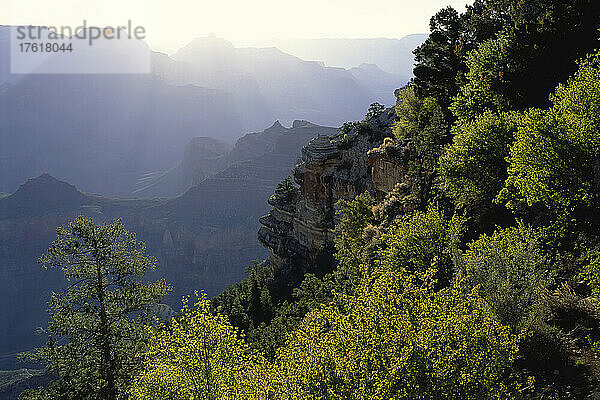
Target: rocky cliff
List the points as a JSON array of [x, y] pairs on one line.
[[298, 229]]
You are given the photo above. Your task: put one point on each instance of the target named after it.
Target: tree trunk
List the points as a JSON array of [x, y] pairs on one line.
[[107, 378]]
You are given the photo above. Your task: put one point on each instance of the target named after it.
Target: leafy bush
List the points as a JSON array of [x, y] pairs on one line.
[[488, 86], [374, 111], [349, 241], [421, 241], [198, 355], [511, 272], [396, 338], [473, 168], [421, 121], [554, 161]]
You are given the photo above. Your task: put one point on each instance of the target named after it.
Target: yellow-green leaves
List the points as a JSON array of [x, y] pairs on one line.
[[395, 338], [398, 340], [473, 168], [511, 271], [349, 241], [554, 162], [199, 355], [490, 69], [420, 241]]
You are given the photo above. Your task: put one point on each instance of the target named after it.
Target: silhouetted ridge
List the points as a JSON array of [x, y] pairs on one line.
[[276, 126], [41, 195]]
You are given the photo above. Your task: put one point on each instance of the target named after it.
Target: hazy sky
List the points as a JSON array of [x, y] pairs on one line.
[[173, 23]]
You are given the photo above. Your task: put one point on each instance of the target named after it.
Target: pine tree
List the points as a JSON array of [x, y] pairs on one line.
[[98, 320]]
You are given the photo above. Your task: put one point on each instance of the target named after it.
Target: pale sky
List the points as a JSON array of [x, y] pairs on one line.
[[172, 24]]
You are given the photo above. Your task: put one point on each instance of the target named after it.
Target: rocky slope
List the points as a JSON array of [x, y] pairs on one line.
[[392, 55], [201, 157], [12, 383], [269, 83]]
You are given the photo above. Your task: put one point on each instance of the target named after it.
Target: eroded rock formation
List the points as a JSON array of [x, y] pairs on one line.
[[298, 230], [386, 172]]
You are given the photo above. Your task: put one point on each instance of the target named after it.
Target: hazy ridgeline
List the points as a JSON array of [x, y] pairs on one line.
[[104, 132]]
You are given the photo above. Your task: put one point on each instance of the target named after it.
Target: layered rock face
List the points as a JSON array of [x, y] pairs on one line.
[[386, 172], [266, 155], [298, 230]]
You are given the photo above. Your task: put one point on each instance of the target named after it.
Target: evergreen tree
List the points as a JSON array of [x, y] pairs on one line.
[[97, 322]]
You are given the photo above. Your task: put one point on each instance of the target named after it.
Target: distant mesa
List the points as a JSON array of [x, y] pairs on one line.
[[47, 185], [206, 147], [210, 40], [391, 55], [200, 158], [300, 123], [203, 49], [207, 158]]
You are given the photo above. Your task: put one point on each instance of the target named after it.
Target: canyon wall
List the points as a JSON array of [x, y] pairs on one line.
[[298, 230]]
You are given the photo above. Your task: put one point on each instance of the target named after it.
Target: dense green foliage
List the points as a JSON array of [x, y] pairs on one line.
[[537, 47], [420, 241], [554, 162], [421, 133], [473, 169], [350, 243], [511, 272], [197, 356], [394, 337]]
